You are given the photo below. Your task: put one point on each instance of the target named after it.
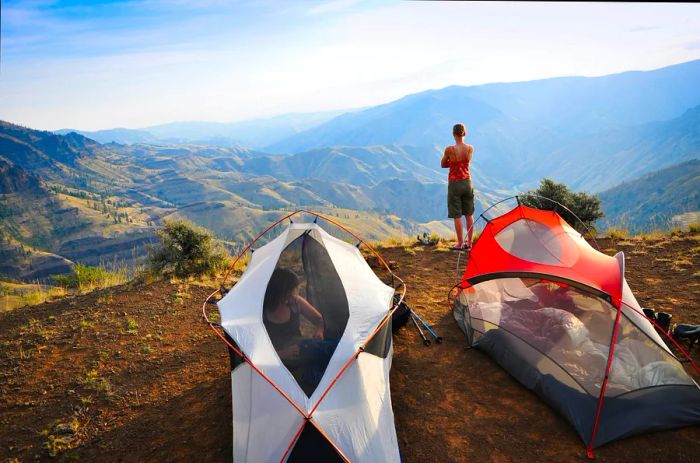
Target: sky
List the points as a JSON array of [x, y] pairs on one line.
[[93, 65]]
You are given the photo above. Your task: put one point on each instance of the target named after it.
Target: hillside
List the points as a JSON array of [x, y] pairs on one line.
[[626, 154], [651, 201], [92, 203], [133, 374]]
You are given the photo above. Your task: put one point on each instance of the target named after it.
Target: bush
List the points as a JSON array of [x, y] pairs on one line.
[[584, 206], [186, 250]]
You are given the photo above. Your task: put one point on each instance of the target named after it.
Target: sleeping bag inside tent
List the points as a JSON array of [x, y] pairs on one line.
[[312, 323], [559, 316]]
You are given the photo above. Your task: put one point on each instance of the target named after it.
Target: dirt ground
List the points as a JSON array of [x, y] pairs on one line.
[[132, 374]]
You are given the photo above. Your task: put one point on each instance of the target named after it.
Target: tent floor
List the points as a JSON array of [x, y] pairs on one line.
[[166, 397]]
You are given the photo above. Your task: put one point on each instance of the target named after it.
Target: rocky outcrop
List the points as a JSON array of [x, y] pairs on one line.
[[14, 179]]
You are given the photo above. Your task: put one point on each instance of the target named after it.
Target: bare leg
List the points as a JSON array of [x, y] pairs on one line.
[[470, 228], [458, 229]]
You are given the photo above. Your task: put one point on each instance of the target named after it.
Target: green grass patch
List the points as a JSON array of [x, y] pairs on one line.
[[93, 380], [132, 326], [86, 278]]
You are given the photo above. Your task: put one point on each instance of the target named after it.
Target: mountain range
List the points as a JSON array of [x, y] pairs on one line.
[[253, 134], [67, 197]]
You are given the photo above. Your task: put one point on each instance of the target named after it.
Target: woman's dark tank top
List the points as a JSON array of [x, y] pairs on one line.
[[281, 334]]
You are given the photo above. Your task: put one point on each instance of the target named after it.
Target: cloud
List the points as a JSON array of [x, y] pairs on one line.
[[643, 28], [692, 45]]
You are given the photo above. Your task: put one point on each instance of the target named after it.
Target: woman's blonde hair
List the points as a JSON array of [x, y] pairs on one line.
[[459, 130]]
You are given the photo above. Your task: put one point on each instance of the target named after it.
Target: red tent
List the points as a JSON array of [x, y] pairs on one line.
[[559, 316]]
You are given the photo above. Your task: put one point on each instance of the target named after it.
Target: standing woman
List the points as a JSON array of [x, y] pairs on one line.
[[460, 193]]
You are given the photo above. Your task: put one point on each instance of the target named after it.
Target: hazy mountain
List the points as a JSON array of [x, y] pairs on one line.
[[527, 130], [541, 112], [426, 119], [578, 105], [119, 135], [250, 133], [650, 202], [603, 160]]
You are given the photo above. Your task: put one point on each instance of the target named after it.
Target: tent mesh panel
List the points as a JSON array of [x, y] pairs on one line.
[[638, 362], [318, 291], [570, 327]]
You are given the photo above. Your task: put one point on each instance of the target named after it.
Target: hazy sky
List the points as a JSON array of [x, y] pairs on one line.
[[102, 64]]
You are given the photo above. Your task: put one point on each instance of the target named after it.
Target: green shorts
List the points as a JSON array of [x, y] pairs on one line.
[[460, 198]]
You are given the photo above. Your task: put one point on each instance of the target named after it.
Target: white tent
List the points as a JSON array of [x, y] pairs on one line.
[[283, 411]]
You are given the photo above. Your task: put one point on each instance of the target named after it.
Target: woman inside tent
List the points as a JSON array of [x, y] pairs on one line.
[[281, 309], [305, 357], [460, 194]]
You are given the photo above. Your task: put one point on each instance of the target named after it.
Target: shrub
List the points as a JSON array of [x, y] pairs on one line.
[[582, 205], [694, 227], [186, 250]]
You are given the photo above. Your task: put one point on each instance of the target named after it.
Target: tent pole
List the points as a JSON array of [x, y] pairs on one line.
[[589, 449], [294, 440], [361, 349]]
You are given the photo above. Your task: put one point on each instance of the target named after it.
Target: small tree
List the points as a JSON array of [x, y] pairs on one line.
[[586, 207], [185, 250]]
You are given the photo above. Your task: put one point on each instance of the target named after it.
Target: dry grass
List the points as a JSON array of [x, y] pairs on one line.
[[14, 295], [653, 236], [617, 233], [681, 262]]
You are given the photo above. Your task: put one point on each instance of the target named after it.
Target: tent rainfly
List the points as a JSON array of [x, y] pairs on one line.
[[559, 317], [306, 388]]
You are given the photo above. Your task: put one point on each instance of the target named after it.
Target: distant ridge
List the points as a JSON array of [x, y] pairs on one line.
[[649, 202], [250, 133]]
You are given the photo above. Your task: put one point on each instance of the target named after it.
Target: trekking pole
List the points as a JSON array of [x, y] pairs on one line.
[[426, 341], [438, 339]]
